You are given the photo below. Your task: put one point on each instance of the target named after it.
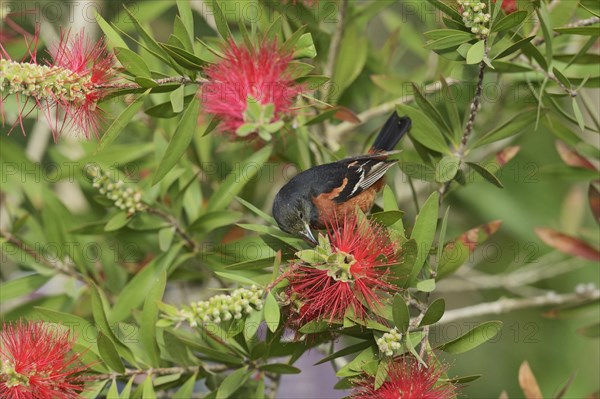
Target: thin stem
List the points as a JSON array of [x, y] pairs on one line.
[[505, 305], [576, 24], [56, 264], [549, 75], [184, 80]]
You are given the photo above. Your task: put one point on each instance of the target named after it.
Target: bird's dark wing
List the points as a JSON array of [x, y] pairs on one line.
[[361, 173]]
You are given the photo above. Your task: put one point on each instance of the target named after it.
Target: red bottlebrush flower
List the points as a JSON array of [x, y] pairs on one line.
[[350, 271], [261, 75], [72, 84], [37, 363], [407, 379], [509, 6]]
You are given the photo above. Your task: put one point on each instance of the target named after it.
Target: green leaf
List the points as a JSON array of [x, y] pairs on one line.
[[387, 218], [424, 232], [517, 124], [447, 168], [434, 312], [486, 174], [423, 129], [150, 317], [431, 111], [114, 38], [118, 221], [177, 99], [132, 62], [21, 286], [271, 312], [578, 114], [561, 78], [305, 48], [514, 47], [165, 238], [234, 182], [220, 21], [184, 58], [345, 351], [279, 368], [476, 53], [473, 338], [235, 277], [148, 388], [213, 220], [590, 331], [400, 313], [446, 9], [109, 353], [448, 42], [187, 389], [180, 141], [119, 123], [187, 18], [454, 255], [181, 33], [509, 21], [426, 285], [135, 292], [233, 382], [580, 30]]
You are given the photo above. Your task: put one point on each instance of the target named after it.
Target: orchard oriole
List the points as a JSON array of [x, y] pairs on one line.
[[322, 193]]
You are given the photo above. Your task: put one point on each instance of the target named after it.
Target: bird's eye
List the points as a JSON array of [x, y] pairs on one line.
[[301, 215]]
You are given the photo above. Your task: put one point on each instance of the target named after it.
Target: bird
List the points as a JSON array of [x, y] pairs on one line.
[[325, 193]]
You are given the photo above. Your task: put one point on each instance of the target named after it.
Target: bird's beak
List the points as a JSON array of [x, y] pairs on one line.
[[307, 233]]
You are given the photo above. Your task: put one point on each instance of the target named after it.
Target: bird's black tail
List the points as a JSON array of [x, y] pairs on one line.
[[391, 133]]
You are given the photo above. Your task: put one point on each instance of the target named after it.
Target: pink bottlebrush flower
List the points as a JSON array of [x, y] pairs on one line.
[[350, 271], [407, 379], [509, 6], [244, 75], [37, 363], [68, 89]]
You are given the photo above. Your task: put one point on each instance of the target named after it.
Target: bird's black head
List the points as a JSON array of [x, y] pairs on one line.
[[293, 214]]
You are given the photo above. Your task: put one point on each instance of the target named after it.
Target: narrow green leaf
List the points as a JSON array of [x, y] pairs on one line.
[[21, 286], [165, 238], [448, 42], [345, 351], [118, 221], [447, 168], [235, 181], [446, 9], [434, 312], [517, 124], [150, 317], [177, 99], [220, 21], [148, 388], [578, 114], [423, 129], [114, 39], [213, 220], [428, 108], [514, 47], [473, 338], [187, 389], [109, 353], [271, 312], [180, 141], [426, 285], [424, 232], [510, 21], [279, 368], [119, 123], [233, 382], [476, 53], [561, 78], [132, 62], [235, 277], [581, 30], [400, 313], [486, 174]]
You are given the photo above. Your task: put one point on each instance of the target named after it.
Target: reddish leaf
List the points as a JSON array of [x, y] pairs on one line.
[[594, 198], [528, 382], [571, 157], [479, 234], [346, 114], [567, 244], [508, 153]]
